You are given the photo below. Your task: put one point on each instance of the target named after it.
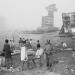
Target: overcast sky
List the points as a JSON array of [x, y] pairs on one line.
[[26, 14]]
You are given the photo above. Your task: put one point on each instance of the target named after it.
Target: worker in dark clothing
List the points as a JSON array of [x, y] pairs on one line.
[[38, 44], [7, 52], [20, 42], [39, 49]]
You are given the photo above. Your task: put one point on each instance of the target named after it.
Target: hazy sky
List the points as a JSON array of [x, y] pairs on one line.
[[26, 14]]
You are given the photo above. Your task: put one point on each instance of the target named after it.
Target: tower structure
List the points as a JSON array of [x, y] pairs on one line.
[[48, 21]]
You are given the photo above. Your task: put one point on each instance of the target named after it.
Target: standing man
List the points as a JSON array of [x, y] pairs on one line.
[[39, 52], [20, 42], [38, 44], [12, 45], [24, 56], [48, 49], [7, 52]]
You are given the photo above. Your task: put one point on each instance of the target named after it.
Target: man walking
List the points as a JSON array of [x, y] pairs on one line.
[[7, 52], [48, 49]]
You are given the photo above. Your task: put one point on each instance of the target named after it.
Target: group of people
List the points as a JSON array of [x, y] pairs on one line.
[[47, 50], [26, 42], [24, 46]]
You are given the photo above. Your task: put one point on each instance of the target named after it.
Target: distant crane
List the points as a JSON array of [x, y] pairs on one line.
[[68, 23]]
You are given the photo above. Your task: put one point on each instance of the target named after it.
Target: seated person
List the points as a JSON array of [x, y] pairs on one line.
[[64, 45], [39, 52], [38, 49]]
